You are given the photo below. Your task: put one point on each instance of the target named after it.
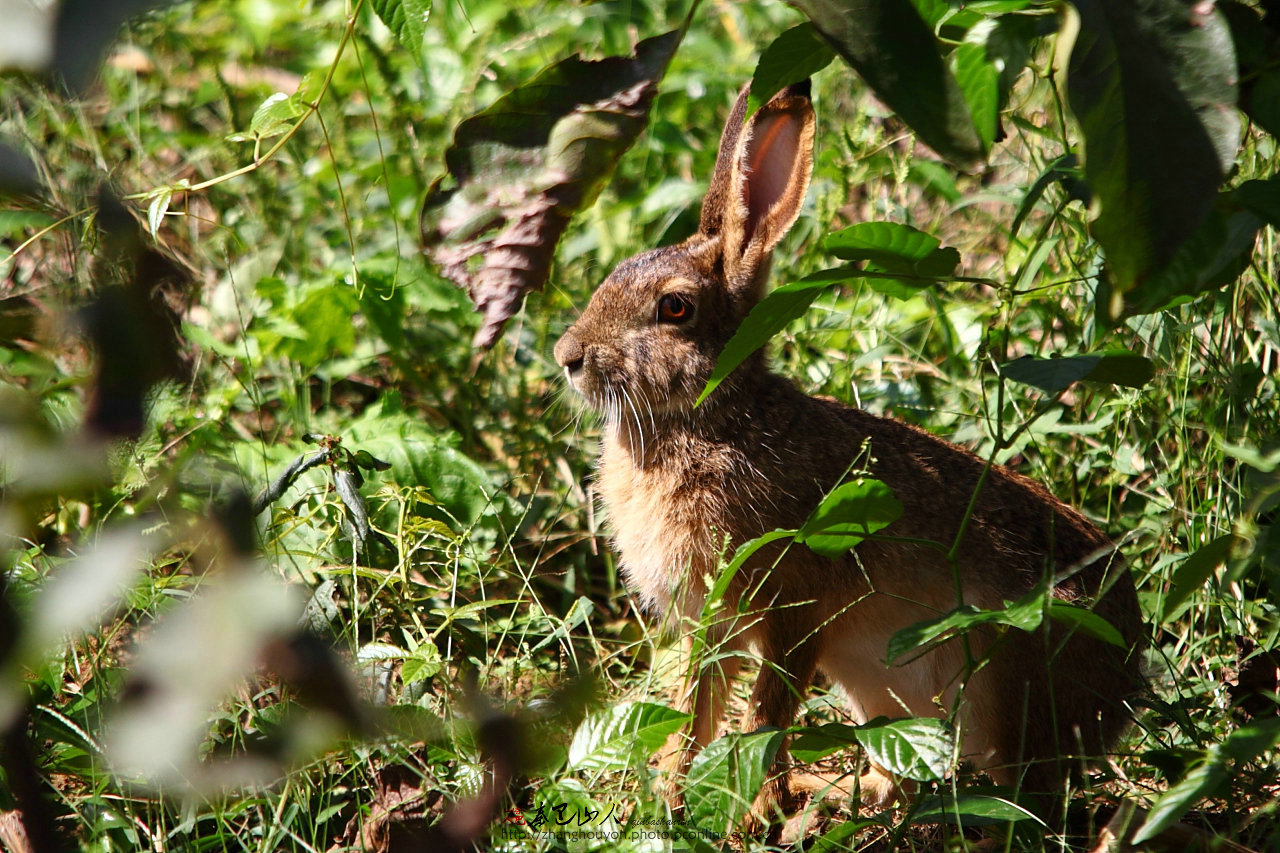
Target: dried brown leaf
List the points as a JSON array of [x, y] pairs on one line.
[[520, 170]]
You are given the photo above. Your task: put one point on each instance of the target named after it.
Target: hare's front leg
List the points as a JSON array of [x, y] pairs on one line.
[[786, 670], [702, 695]]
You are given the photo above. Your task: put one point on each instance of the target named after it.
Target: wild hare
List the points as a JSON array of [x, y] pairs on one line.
[[684, 486]]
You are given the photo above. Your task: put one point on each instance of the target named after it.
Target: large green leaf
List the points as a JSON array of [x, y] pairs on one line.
[[1192, 573], [812, 743], [770, 316], [1152, 83], [1217, 253], [725, 777], [621, 736], [1259, 79], [796, 55], [1054, 374], [913, 259], [1086, 620], [519, 170], [850, 513], [919, 748], [979, 80], [1026, 614], [968, 809], [894, 50]]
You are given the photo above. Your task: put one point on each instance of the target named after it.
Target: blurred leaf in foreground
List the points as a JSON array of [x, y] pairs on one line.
[[894, 50], [520, 169], [1168, 68], [132, 325]]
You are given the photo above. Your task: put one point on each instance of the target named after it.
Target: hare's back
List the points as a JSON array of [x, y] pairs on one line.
[[1016, 529]]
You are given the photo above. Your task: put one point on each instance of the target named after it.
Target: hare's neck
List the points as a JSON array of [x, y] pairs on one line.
[[681, 492]]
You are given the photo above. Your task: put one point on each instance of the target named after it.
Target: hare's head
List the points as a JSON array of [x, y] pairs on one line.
[[651, 334]]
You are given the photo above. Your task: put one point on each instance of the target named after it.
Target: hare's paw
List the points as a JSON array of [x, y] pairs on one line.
[[772, 806], [878, 788]]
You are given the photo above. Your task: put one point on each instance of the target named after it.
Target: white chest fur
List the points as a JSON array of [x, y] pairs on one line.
[[660, 530]]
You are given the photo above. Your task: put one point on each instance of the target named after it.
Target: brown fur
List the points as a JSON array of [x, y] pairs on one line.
[[685, 486]]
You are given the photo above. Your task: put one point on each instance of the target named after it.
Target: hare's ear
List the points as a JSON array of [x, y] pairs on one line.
[[762, 173]]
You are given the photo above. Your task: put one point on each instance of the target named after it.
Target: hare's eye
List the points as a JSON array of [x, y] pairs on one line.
[[674, 308]]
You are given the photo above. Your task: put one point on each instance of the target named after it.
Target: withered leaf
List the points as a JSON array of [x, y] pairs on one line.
[[520, 170]]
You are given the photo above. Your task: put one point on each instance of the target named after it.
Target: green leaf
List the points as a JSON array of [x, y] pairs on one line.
[[979, 79], [894, 248], [1260, 197], [1264, 101], [725, 777], [796, 55], [14, 222], [276, 115], [1117, 367], [812, 743], [850, 513], [1025, 614], [577, 615], [1209, 777], [406, 18], [1049, 374], [1192, 573], [895, 51], [519, 170], [158, 207], [622, 736], [914, 259], [1065, 170], [842, 837], [369, 462], [969, 810], [919, 748], [1086, 620], [423, 663], [1153, 86], [420, 455], [770, 316], [1055, 374], [740, 556], [1214, 256]]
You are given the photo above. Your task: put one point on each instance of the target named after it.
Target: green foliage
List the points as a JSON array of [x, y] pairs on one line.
[[796, 55], [1170, 70], [622, 736], [1056, 374], [894, 50], [849, 514], [406, 18], [727, 774]]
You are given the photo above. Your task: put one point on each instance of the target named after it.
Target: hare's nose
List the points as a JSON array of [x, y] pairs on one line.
[[569, 354]]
